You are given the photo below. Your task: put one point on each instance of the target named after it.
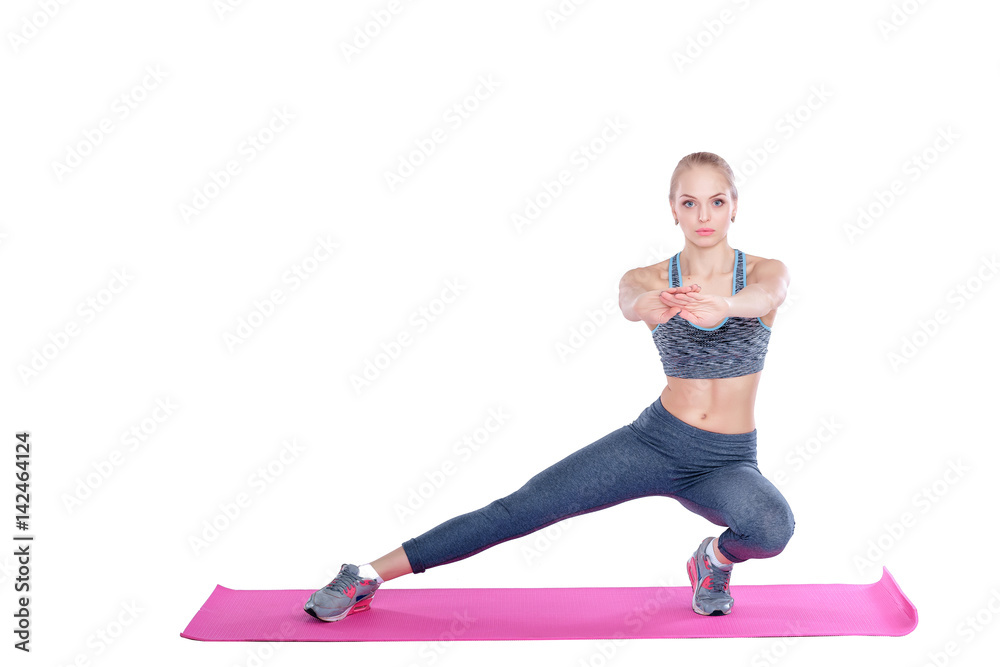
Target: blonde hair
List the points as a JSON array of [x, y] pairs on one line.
[[693, 160]]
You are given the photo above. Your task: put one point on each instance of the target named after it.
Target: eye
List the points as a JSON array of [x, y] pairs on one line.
[[688, 202], [720, 200]]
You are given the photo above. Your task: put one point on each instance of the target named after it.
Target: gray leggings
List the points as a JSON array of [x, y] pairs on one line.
[[712, 474]]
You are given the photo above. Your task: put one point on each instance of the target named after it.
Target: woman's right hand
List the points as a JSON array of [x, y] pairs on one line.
[[651, 309]]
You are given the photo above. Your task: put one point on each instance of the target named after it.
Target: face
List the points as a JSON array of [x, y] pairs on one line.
[[702, 201]]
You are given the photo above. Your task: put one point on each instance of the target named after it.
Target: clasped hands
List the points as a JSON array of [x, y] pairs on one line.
[[703, 310]]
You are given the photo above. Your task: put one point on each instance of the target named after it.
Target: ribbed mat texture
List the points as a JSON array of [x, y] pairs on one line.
[[466, 614]]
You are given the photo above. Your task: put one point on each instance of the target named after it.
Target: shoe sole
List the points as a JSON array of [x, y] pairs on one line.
[[693, 577], [360, 606]]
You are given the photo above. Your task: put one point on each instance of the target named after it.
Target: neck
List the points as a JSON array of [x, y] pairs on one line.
[[707, 263]]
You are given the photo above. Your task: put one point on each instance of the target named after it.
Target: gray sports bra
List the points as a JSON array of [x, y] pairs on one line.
[[734, 347]]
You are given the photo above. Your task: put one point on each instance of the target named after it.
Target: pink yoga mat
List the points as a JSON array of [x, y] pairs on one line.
[[446, 614]]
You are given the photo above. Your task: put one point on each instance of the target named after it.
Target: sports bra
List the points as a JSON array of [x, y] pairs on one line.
[[736, 346]]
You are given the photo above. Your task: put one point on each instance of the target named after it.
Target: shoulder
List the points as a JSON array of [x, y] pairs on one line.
[[760, 269], [651, 277]]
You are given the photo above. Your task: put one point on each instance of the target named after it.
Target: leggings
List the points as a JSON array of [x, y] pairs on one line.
[[712, 474]]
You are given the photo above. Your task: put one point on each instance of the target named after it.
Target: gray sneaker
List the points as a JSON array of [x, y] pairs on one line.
[[710, 583], [347, 594]]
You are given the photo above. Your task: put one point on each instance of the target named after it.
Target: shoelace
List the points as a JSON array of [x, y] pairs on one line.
[[343, 581], [717, 582]]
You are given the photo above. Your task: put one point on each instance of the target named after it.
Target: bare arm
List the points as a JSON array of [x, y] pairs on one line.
[[642, 296], [634, 283], [768, 291]]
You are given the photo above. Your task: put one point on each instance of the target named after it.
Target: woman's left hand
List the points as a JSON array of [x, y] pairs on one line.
[[704, 310]]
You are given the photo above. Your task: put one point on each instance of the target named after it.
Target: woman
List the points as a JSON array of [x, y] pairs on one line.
[[710, 309]]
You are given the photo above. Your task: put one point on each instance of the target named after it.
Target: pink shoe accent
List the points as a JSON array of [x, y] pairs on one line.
[[361, 606]]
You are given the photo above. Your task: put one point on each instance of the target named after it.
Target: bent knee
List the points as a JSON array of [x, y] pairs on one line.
[[772, 530]]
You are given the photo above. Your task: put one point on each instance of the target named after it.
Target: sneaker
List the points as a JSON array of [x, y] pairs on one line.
[[710, 583], [345, 595]]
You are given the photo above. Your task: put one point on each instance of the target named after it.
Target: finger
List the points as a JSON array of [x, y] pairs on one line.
[[671, 299]]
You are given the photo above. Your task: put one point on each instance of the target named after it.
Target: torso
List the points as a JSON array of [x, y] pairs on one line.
[[721, 405]]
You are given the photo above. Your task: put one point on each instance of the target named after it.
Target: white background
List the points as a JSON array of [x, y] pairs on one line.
[[854, 300]]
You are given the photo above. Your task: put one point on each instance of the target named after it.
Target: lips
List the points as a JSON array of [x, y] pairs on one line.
[[704, 229]]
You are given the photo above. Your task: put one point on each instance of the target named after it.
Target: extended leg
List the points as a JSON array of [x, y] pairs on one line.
[[615, 468], [392, 565]]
